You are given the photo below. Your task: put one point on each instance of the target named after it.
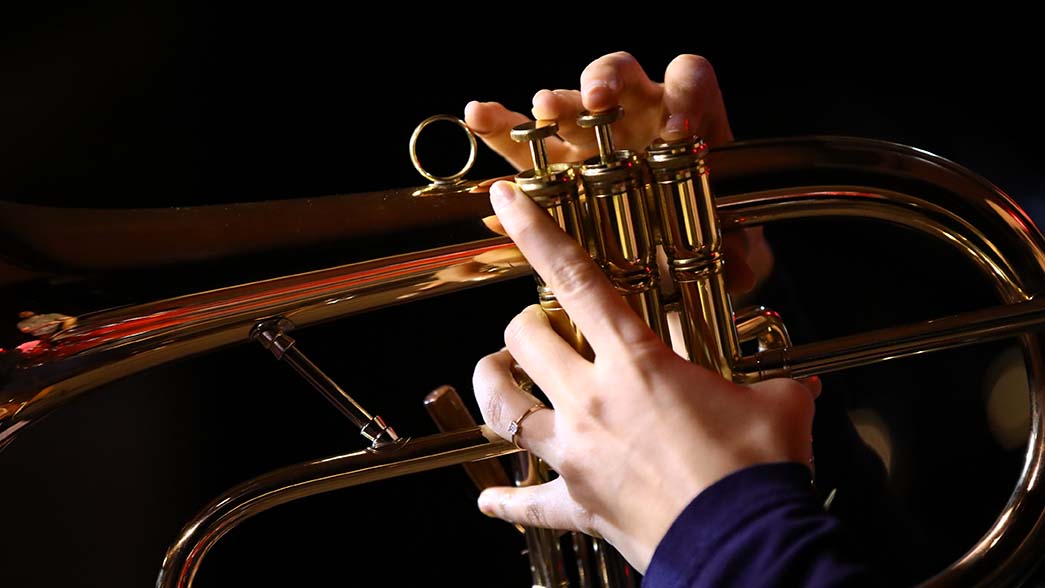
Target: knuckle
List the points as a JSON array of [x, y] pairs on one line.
[[690, 75], [617, 60], [622, 58], [521, 325], [585, 520], [489, 403], [573, 459], [790, 401], [481, 372], [534, 513], [572, 275]]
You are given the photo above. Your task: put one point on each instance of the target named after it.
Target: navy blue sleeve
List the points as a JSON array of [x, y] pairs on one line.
[[761, 526]]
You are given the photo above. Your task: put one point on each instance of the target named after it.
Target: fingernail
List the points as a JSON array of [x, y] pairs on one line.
[[486, 502], [543, 105], [677, 125], [540, 94], [501, 194], [475, 121], [594, 85]]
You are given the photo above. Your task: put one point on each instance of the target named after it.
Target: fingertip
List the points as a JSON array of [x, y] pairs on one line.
[[502, 193], [688, 70], [487, 502], [545, 105], [814, 385], [691, 89], [601, 85], [476, 116], [599, 95]]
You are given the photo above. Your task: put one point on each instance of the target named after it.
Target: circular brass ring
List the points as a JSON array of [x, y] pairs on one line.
[[417, 162]]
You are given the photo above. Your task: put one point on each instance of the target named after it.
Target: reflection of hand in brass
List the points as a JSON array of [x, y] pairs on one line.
[[688, 102], [481, 266]]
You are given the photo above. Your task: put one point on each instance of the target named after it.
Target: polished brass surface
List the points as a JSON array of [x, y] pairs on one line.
[[692, 242], [452, 178], [624, 247], [449, 413], [554, 187], [534, 133], [111, 344], [324, 475], [600, 122], [899, 185]]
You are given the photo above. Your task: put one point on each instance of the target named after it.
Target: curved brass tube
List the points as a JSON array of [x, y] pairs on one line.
[[291, 483], [896, 184]]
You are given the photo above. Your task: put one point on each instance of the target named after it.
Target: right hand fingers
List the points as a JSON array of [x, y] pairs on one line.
[[493, 124], [689, 102], [545, 356], [502, 401], [612, 329], [693, 102], [613, 79]]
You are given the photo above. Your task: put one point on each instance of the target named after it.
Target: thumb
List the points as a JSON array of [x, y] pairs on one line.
[[547, 505]]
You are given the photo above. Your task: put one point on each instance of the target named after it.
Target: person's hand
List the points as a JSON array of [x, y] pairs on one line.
[[634, 435], [687, 103]]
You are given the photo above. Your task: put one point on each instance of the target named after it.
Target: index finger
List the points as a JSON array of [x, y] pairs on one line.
[[583, 290]]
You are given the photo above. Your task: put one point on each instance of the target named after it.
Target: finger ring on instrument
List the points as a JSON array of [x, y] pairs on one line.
[[513, 427]]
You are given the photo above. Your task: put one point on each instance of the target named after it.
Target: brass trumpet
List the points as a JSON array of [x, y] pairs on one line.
[[753, 184]]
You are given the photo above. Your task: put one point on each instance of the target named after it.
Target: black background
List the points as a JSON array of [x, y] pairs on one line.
[[188, 104]]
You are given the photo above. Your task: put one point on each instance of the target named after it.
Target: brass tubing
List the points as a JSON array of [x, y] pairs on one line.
[[543, 549], [555, 190], [764, 325], [315, 477], [981, 222], [692, 242], [1013, 544], [109, 345], [449, 413], [833, 355], [623, 242]]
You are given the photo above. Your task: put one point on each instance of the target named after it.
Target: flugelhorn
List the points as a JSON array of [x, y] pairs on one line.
[[64, 355]]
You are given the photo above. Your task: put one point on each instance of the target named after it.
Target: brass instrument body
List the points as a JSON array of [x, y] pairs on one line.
[[899, 185], [555, 189], [692, 242]]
